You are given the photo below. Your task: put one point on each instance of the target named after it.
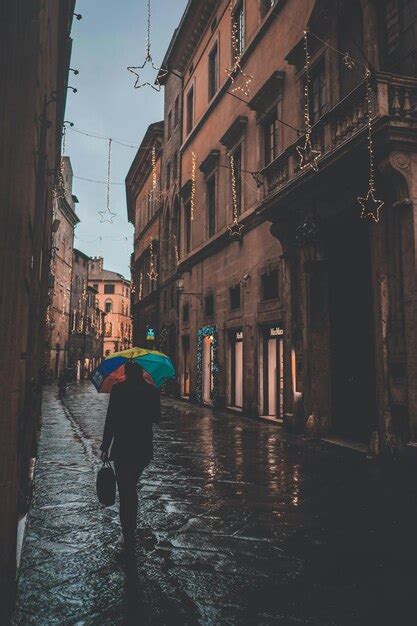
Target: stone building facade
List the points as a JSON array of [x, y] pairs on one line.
[[145, 199], [289, 305], [113, 297], [87, 321], [35, 47], [58, 314]]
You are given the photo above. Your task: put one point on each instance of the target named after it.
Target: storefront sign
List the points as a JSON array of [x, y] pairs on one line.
[[276, 331], [150, 334]]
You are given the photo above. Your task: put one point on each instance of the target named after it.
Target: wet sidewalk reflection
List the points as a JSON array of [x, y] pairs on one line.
[[238, 524]]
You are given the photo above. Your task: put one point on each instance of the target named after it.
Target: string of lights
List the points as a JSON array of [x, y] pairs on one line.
[[154, 173], [370, 205], [236, 70], [307, 154], [153, 273], [137, 70], [235, 229], [107, 215], [193, 183]]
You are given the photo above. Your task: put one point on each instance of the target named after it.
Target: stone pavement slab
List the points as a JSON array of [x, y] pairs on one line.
[[239, 524]]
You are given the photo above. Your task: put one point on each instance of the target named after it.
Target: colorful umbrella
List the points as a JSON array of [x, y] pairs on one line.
[[157, 366]]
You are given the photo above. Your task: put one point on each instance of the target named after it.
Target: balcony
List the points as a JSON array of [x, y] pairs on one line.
[[394, 99]]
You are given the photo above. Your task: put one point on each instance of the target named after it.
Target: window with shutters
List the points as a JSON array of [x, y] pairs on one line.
[[234, 294], [399, 28], [213, 72], [269, 285], [209, 305], [318, 92]]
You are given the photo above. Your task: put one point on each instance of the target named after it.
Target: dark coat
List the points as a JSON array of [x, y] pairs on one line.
[[134, 406]]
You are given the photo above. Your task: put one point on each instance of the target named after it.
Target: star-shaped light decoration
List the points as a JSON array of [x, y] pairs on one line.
[[234, 73], [308, 156], [137, 71], [235, 231], [371, 206], [106, 216]]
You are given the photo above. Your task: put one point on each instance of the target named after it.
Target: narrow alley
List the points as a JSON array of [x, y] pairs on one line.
[[239, 524]]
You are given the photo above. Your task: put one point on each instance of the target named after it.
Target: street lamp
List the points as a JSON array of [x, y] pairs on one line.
[[180, 290], [307, 236]]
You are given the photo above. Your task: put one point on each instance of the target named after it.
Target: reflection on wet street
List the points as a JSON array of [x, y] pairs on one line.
[[239, 523]]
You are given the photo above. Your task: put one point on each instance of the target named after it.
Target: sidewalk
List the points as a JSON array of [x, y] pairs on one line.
[[240, 524]]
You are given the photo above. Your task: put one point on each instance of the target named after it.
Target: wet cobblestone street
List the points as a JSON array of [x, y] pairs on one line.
[[238, 522]]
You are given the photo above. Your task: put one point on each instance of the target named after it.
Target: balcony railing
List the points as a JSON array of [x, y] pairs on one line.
[[392, 96]]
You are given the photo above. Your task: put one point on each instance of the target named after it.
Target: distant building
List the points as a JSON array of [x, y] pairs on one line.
[[87, 321], [113, 295], [58, 314], [144, 211]]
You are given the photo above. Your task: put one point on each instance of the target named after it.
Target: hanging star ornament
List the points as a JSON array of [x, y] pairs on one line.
[[308, 156], [137, 71], [235, 231], [371, 206], [234, 73], [110, 215]]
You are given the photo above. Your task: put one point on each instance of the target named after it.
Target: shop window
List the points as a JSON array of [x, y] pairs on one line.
[[269, 285], [108, 288], [108, 306], [400, 37], [213, 72], [185, 313], [190, 110], [318, 93], [234, 294], [209, 305], [211, 205]]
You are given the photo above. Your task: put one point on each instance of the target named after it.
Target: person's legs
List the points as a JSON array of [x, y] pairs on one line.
[[127, 476]]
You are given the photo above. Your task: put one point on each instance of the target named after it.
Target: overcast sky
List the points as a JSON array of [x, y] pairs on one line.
[[110, 37]]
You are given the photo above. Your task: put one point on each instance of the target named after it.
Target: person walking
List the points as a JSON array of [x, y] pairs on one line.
[[62, 384], [134, 407]]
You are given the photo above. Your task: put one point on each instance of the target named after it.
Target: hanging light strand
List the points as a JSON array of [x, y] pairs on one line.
[[236, 70], [235, 229], [152, 274], [137, 69], [370, 205], [234, 190], [107, 215], [307, 155], [193, 185]]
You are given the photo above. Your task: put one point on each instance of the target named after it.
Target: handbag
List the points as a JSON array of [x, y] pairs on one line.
[[106, 485]]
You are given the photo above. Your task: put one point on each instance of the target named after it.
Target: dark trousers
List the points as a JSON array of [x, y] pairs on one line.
[[127, 476]]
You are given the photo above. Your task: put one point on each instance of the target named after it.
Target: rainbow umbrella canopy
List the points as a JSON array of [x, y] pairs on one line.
[[157, 366]]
